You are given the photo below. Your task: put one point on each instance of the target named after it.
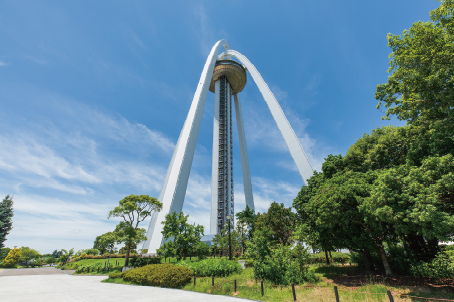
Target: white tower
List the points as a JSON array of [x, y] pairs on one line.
[[226, 78]]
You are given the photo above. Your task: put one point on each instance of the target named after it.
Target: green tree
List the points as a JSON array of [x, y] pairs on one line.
[[51, 260], [420, 88], [247, 218], [12, 258], [184, 236], [92, 251], [66, 255], [6, 214], [134, 209], [28, 254], [130, 236], [105, 242], [280, 220], [221, 241], [3, 252]]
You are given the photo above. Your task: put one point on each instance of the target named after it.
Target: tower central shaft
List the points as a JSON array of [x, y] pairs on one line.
[[225, 203]]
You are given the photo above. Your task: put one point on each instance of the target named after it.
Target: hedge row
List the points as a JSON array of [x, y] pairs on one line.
[[162, 275], [142, 261], [212, 267]]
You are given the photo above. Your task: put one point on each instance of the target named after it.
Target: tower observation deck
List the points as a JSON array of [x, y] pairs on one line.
[[229, 78], [226, 78]]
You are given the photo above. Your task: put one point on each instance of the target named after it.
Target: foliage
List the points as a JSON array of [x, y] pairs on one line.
[[6, 214], [421, 85], [132, 250], [280, 220], [116, 275], [248, 219], [180, 236], [202, 250], [3, 252], [12, 258], [441, 267], [133, 209], [105, 242], [57, 253], [142, 261], [66, 255], [93, 266], [28, 254], [221, 241], [91, 251], [213, 267], [319, 258], [126, 233], [163, 275], [51, 260], [280, 267]]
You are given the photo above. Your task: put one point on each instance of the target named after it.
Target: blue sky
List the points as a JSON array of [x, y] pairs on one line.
[[93, 97]]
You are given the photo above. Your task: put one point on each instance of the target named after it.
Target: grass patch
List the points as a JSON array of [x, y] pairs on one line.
[[118, 281]]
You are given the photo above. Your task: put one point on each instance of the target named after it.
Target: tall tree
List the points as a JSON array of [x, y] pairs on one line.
[[280, 220], [247, 218], [28, 254], [6, 215], [180, 236], [134, 209], [105, 242], [421, 86]]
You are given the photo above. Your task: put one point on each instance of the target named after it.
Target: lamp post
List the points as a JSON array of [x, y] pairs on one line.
[[107, 268], [230, 242]]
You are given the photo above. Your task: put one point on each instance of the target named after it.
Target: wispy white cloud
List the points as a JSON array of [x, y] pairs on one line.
[[36, 60], [2, 63]]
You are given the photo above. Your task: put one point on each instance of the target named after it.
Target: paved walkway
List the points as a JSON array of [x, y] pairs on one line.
[[32, 271], [68, 288]]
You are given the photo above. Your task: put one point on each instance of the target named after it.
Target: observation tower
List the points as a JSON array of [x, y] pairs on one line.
[[226, 78]]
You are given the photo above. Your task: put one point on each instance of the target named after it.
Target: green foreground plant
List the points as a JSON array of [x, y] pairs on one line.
[[212, 267]]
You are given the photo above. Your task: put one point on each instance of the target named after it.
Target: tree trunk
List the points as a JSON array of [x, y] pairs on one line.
[[331, 257], [127, 254], [327, 258], [384, 258], [368, 260]]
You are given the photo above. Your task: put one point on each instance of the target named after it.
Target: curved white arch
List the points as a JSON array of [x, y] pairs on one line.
[[292, 141], [176, 181]]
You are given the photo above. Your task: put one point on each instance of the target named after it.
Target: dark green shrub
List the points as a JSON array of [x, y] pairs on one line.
[[213, 267], [115, 275], [441, 267], [249, 263], [139, 262], [163, 275], [281, 268]]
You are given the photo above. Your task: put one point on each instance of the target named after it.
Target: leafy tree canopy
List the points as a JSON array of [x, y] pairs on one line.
[[180, 236], [421, 86], [133, 209]]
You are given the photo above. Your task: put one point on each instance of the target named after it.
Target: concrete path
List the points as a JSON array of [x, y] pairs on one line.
[[68, 288], [32, 271]]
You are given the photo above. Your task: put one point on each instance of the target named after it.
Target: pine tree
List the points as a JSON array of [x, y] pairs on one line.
[[6, 214]]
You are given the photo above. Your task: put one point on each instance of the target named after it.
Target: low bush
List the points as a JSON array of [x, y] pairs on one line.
[[441, 267], [212, 267], [249, 263], [139, 261], [116, 275], [162, 275], [89, 267], [280, 267]]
